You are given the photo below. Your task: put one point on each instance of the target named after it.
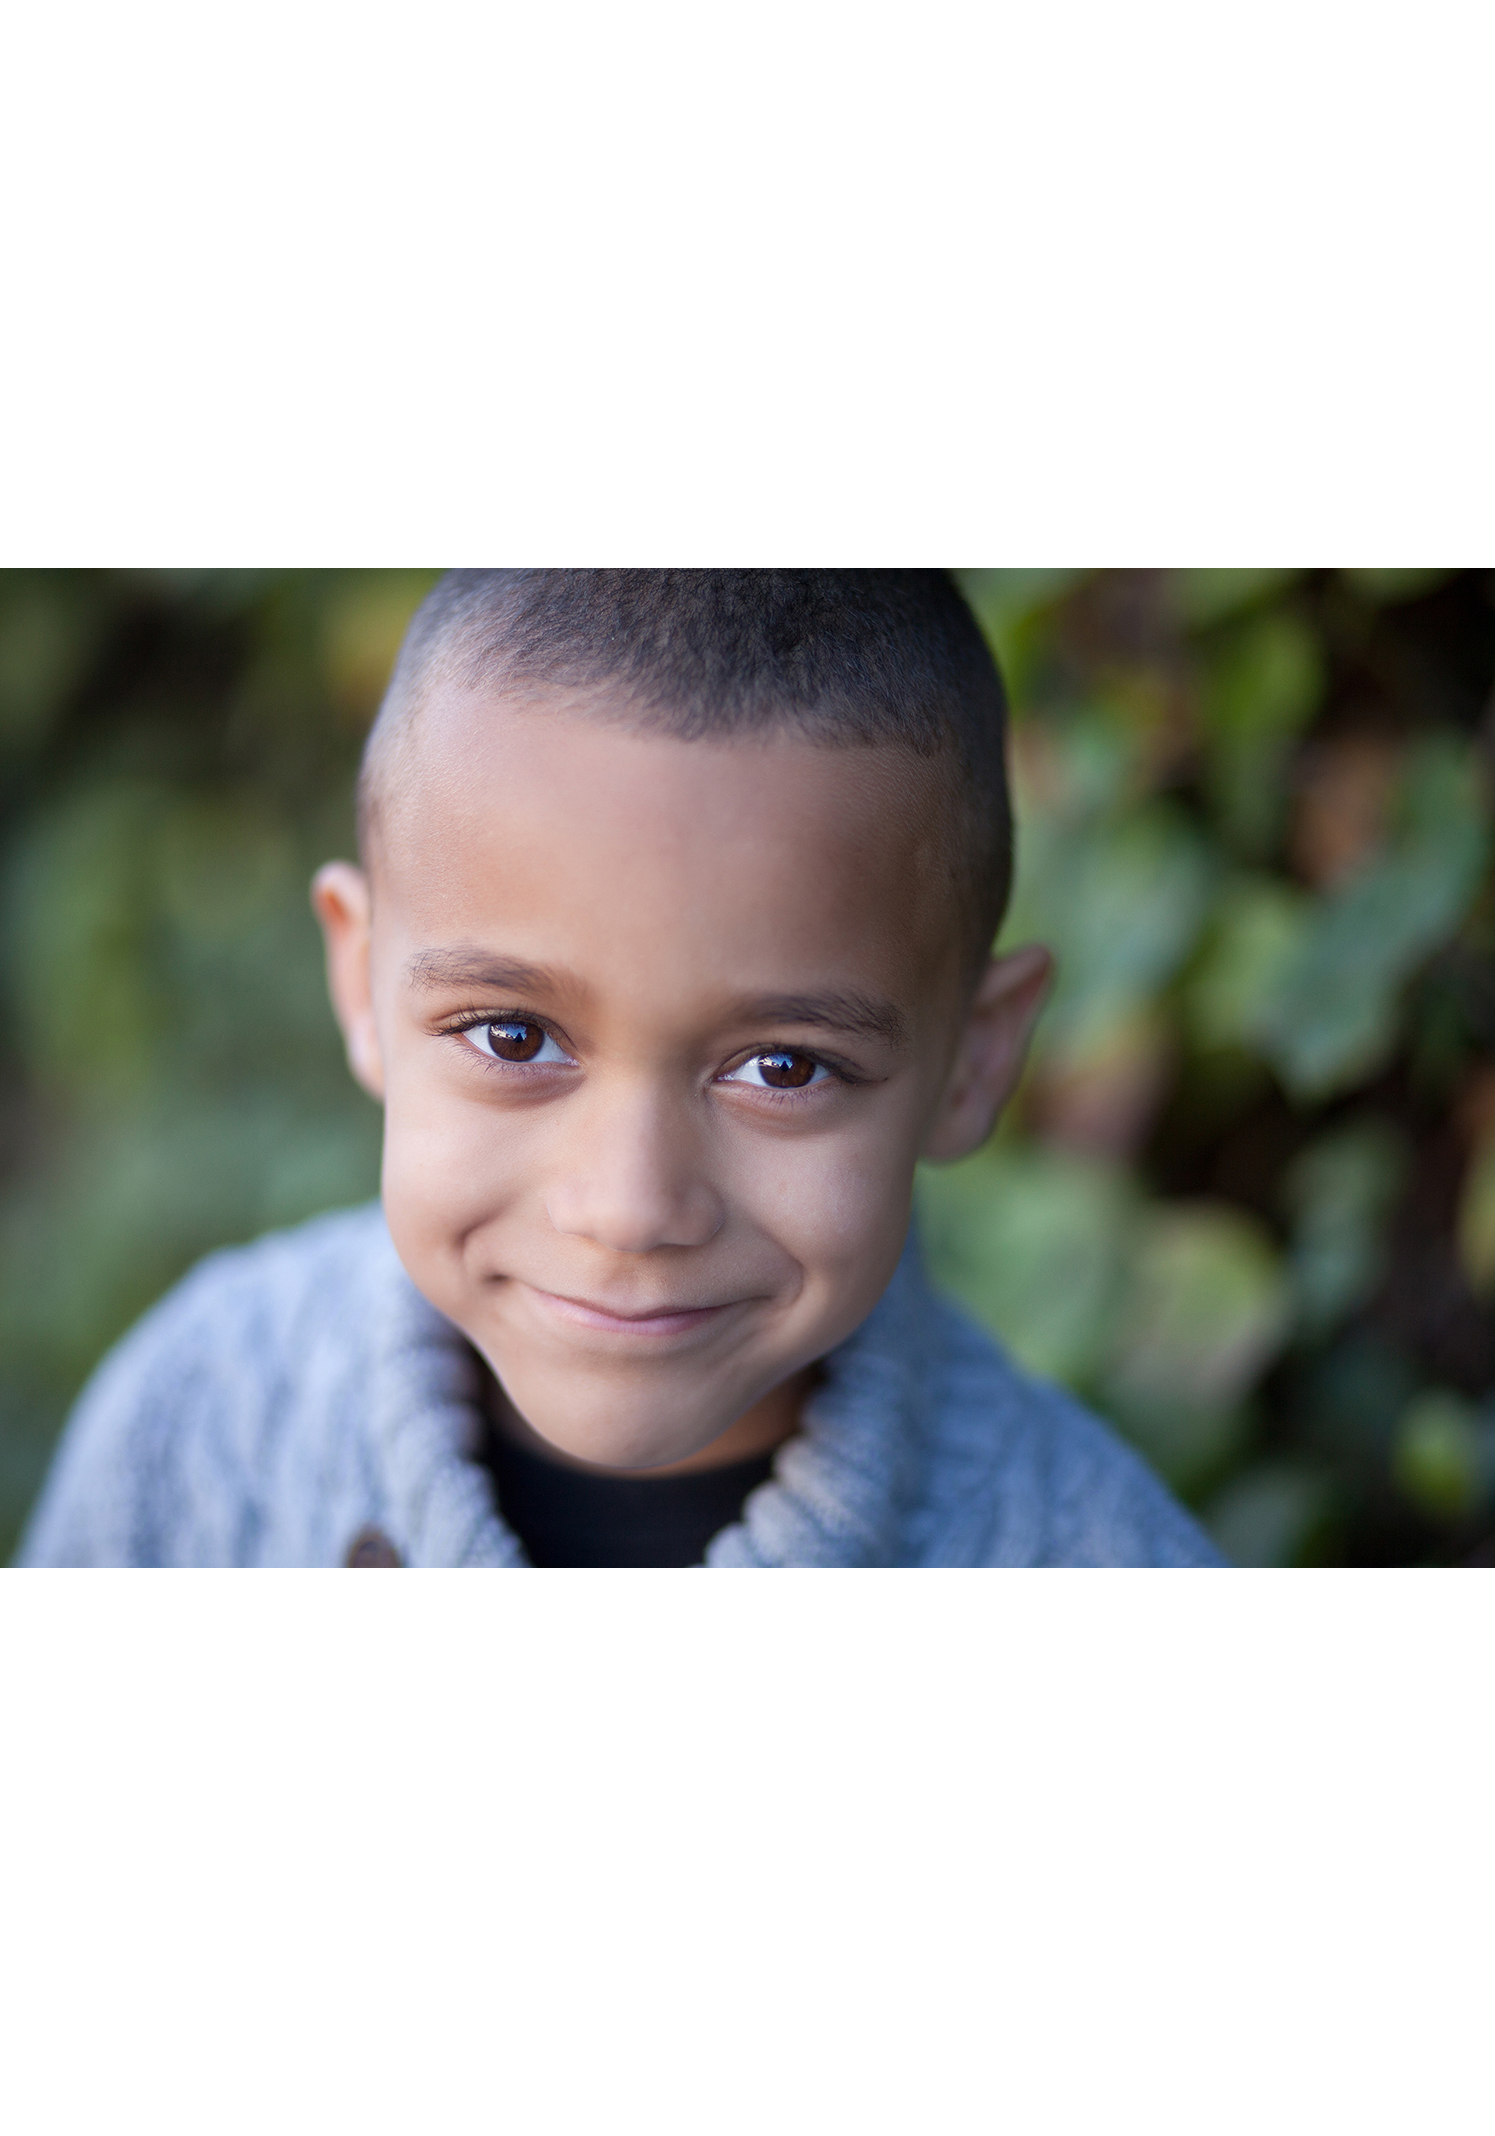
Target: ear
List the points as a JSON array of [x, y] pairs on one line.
[[341, 901], [990, 1056]]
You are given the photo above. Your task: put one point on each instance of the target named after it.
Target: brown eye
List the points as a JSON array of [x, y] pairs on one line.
[[785, 1071], [514, 1040], [781, 1068]]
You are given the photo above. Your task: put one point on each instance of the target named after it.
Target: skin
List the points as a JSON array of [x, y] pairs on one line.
[[650, 1244]]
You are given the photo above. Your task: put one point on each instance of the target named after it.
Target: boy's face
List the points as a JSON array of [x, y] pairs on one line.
[[661, 1029]]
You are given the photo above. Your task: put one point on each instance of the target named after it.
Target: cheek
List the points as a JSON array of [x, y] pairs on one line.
[[838, 1204], [449, 1163]]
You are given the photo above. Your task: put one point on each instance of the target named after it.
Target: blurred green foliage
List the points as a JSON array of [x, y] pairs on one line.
[[1245, 1200], [176, 752]]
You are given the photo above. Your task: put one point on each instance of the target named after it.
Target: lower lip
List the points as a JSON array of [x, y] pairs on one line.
[[655, 1327]]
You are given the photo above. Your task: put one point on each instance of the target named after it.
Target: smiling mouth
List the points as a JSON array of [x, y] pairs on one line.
[[657, 1321]]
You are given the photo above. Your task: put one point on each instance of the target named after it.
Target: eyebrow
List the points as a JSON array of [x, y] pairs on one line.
[[432, 969], [856, 1013], [834, 1010]]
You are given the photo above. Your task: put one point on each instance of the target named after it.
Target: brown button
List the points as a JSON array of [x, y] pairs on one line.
[[371, 1546]]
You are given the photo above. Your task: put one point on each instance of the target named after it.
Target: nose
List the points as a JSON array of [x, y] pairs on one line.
[[632, 1176]]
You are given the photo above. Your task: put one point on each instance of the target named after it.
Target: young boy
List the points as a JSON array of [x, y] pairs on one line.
[[668, 959]]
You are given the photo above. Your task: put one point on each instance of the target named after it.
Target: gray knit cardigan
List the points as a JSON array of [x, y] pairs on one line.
[[289, 1395]]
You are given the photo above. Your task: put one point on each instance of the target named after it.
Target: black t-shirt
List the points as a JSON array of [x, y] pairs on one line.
[[567, 1516]]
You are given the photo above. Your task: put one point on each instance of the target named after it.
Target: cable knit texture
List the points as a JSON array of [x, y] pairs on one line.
[[288, 1394]]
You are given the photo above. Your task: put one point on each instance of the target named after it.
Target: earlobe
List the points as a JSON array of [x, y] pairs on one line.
[[993, 1047], [341, 900]]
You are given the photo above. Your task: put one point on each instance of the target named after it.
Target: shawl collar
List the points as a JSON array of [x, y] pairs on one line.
[[841, 1490]]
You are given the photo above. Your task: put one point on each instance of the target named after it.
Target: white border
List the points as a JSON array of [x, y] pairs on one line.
[[1080, 284], [1052, 1852]]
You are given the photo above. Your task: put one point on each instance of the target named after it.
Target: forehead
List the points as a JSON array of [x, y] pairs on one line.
[[558, 830]]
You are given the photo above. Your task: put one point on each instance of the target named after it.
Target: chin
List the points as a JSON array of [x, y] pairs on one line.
[[624, 1433]]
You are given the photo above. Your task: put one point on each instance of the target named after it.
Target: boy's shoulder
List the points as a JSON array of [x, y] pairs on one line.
[[925, 1445], [184, 1426], [1023, 1474], [268, 1303]]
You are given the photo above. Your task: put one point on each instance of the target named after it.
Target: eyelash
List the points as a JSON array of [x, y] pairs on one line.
[[479, 1020]]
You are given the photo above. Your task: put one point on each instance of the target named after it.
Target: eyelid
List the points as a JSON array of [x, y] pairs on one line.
[[469, 1019]]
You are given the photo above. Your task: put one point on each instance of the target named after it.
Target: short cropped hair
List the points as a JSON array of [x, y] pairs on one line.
[[842, 658]]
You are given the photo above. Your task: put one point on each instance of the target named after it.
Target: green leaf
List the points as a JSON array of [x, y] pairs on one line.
[[1334, 1018], [1204, 1310], [1278, 1513], [1341, 1190], [1262, 685], [1444, 1459], [1253, 937], [1121, 905], [1006, 603], [1203, 598], [1206, 1306], [1265, 679], [1032, 1241]]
